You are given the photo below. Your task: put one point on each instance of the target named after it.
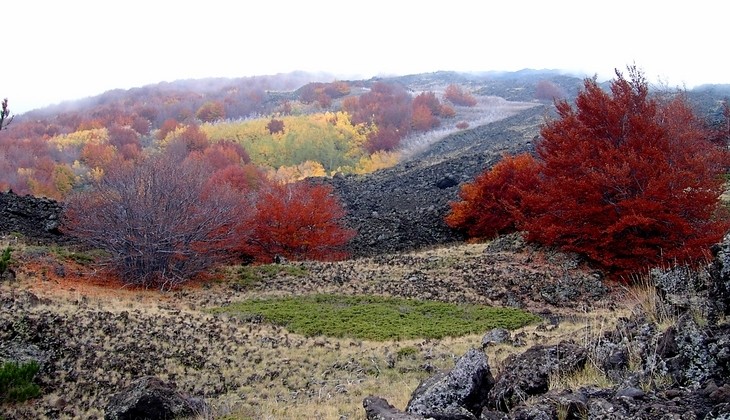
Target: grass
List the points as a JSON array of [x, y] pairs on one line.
[[244, 277], [16, 381], [377, 318]]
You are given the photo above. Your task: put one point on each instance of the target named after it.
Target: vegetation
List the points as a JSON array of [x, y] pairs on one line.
[[458, 96], [378, 318], [171, 217], [297, 221], [159, 220], [627, 179], [5, 258], [5, 117], [16, 381]]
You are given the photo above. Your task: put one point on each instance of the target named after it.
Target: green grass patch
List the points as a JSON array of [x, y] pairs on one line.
[[16, 381], [377, 318]]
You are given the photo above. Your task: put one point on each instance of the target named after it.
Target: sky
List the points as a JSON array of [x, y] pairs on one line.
[[54, 50]]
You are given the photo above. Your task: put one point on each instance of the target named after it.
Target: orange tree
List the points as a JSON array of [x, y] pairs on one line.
[[627, 179], [297, 221]]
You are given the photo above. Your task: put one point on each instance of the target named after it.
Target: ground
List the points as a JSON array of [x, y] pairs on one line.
[[98, 335]]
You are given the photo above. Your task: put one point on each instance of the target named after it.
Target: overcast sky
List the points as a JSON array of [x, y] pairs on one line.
[[57, 50]]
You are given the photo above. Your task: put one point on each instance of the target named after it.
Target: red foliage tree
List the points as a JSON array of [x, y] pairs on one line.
[[194, 139], [628, 180], [211, 111], [492, 204], [548, 91], [458, 96], [167, 127], [426, 109], [298, 221], [275, 126], [388, 107]]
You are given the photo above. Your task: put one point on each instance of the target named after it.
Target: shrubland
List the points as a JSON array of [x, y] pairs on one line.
[[627, 179]]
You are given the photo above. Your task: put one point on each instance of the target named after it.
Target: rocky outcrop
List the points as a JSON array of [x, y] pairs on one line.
[[459, 393], [151, 398], [403, 208], [36, 219], [676, 372]]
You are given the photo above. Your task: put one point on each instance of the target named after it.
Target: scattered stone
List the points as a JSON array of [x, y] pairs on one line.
[[377, 408]]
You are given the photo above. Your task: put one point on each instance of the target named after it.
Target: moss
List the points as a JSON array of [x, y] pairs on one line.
[[377, 318]]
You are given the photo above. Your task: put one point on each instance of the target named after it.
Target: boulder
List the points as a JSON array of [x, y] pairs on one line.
[[377, 408], [528, 374], [457, 394], [150, 398]]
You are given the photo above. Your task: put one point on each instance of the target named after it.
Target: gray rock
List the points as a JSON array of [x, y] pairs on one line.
[[459, 393], [151, 398], [528, 374], [377, 408], [496, 336]]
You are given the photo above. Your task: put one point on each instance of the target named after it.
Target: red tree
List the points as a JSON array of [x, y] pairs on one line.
[[458, 96], [298, 221], [491, 205], [629, 180]]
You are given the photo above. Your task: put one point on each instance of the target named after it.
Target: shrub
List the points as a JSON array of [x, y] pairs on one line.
[[458, 96], [5, 260], [626, 179], [16, 381], [161, 222], [491, 204], [297, 221]]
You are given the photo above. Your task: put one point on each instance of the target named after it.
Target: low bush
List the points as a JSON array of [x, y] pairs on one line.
[[377, 318], [16, 381]]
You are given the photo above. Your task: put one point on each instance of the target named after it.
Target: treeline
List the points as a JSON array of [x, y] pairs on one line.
[[318, 130]]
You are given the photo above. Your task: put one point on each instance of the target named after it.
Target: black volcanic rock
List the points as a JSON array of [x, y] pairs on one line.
[[403, 208]]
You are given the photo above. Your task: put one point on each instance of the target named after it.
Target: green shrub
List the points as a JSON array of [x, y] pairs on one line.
[[16, 381], [5, 260], [377, 318]]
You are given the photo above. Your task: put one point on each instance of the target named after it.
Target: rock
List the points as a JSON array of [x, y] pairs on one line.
[[377, 408], [447, 182], [20, 352], [459, 393], [693, 363], [528, 373], [151, 398], [37, 219], [495, 336]]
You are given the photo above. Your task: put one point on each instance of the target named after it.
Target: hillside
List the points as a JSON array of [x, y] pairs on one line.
[[561, 340]]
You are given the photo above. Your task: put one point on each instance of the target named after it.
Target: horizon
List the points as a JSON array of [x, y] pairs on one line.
[[81, 48]]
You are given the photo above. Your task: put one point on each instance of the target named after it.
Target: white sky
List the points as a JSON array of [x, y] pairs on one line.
[[55, 50]]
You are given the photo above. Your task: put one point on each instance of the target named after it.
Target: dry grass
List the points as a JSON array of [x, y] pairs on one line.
[[105, 337]]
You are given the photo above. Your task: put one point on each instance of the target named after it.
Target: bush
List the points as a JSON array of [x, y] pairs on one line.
[[630, 181], [16, 381], [5, 260], [378, 318], [161, 222]]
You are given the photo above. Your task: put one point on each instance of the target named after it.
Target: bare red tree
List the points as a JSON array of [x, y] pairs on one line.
[[159, 221]]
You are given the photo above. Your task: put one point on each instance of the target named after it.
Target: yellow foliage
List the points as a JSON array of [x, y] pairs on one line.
[[63, 179], [378, 160], [327, 138], [80, 138], [289, 174]]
